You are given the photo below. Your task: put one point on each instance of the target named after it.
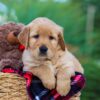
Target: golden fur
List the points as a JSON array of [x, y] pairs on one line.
[[56, 68]]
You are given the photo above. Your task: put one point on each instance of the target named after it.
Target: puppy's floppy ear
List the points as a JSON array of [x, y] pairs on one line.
[[24, 36], [61, 41]]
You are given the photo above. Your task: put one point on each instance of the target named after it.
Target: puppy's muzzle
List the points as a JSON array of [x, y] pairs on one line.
[[43, 50]]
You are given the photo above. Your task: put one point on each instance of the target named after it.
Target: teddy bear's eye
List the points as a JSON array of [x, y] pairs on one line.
[[51, 37], [36, 36]]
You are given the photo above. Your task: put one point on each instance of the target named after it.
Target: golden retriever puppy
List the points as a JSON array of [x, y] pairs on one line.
[[46, 55]]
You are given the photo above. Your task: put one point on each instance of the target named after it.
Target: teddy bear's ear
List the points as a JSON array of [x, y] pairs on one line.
[[24, 36]]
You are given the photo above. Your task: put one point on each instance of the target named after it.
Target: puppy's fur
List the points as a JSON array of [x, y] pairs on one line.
[[56, 67]]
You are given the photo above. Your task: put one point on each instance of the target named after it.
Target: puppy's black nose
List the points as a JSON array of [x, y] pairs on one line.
[[43, 49]]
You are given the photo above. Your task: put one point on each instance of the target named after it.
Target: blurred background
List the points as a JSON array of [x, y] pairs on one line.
[[81, 22]]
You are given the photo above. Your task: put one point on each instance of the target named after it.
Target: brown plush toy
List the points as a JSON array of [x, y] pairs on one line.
[[10, 55]]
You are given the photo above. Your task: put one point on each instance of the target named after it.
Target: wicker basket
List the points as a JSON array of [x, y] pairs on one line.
[[12, 87]]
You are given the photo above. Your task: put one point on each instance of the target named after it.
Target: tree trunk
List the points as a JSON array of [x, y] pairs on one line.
[[91, 10]]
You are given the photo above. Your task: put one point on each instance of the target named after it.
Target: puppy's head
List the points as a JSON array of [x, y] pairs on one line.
[[43, 38]]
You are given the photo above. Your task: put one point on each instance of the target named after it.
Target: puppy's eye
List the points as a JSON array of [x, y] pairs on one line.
[[36, 36], [51, 37]]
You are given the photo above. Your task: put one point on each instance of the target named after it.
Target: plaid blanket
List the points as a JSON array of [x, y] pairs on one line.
[[36, 90]]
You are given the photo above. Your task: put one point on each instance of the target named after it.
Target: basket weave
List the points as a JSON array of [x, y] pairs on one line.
[[12, 87]]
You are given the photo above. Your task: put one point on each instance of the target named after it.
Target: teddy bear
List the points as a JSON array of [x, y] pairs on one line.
[[10, 55]]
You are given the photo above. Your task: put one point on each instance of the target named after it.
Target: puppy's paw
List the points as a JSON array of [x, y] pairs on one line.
[[63, 87], [49, 83]]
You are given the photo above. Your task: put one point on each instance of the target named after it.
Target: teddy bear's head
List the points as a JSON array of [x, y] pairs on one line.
[[10, 55]]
